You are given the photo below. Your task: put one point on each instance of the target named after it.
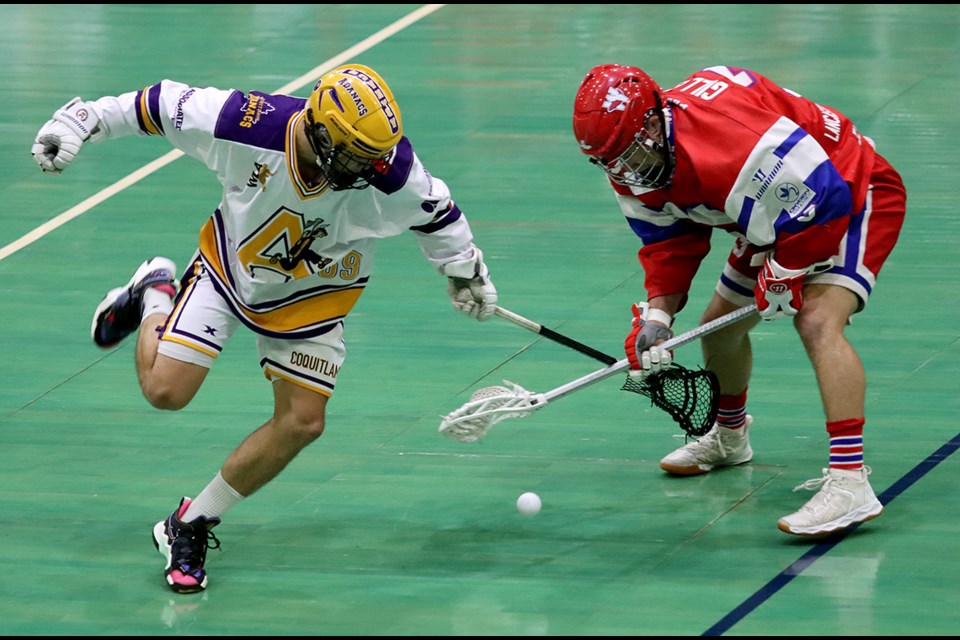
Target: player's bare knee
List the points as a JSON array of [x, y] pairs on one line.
[[815, 328], [304, 427], [167, 397]]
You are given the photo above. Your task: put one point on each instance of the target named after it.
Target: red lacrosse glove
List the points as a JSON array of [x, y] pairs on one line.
[[646, 333], [779, 290]]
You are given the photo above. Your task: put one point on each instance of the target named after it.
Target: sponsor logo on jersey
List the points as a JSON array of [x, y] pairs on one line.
[[787, 192], [799, 210], [261, 173], [178, 114], [253, 109], [765, 178]]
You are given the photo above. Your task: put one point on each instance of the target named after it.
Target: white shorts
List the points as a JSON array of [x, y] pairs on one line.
[[201, 324]]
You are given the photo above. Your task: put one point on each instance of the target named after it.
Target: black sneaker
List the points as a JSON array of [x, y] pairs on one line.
[[119, 313], [185, 546]]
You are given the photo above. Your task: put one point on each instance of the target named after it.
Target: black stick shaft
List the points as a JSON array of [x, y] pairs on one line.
[[550, 334]]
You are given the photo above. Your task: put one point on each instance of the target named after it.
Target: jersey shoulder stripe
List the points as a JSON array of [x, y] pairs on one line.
[[148, 110], [398, 170], [257, 119], [442, 220]]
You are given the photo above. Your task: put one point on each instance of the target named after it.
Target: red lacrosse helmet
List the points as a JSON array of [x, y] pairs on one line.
[[611, 118]]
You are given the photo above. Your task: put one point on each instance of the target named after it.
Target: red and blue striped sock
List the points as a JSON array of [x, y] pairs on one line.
[[733, 411], [846, 443]]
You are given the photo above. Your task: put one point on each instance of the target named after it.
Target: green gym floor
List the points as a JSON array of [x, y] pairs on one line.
[[383, 526]]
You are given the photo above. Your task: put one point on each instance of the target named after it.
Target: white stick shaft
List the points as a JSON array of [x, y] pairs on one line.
[[673, 343], [518, 320]]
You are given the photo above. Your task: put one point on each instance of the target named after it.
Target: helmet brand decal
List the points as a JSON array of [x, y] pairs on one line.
[[379, 94], [615, 100], [361, 108]]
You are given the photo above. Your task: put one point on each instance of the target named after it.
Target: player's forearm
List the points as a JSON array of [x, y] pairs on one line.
[[118, 117]]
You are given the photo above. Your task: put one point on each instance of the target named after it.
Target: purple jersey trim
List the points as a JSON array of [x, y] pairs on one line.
[[396, 176], [257, 119]]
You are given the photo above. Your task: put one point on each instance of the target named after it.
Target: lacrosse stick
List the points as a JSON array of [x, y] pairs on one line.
[[690, 397], [491, 405], [539, 329]]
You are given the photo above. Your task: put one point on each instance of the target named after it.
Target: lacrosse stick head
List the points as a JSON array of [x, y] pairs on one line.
[[487, 407], [691, 397]]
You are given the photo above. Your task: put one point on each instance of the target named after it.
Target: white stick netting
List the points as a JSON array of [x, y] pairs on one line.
[[487, 407]]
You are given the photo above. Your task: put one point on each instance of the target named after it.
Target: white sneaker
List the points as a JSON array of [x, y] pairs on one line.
[[720, 447], [845, 499]]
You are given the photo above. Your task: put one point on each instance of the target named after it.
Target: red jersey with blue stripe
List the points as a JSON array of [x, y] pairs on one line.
[[754, 159]]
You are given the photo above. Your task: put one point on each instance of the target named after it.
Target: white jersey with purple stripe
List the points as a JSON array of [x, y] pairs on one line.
[[291, 258], [757, 160]]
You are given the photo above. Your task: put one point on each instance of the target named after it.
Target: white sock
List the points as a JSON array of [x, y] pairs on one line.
[[156, 301], [215, 500]]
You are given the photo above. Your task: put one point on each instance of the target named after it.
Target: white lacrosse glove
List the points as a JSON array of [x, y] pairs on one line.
[[779, 291], [650, 327], [59, 140], [469, 287]]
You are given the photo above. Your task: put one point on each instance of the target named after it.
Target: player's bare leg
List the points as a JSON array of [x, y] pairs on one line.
[[840, 375], [298, 420], [728, 353], [845, 497], [166, 383]]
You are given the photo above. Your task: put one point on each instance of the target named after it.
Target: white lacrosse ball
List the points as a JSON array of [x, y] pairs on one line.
[[529, 504]]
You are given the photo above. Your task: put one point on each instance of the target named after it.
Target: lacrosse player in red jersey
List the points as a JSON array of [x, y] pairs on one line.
[[309, 187], [814, 211]]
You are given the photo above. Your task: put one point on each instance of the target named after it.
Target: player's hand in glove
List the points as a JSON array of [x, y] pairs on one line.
[[779, 291], [59, 140], [650, 328], [469, 286]]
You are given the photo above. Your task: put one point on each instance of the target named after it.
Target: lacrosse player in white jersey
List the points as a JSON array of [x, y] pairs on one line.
[[814, 211], [309, 186]]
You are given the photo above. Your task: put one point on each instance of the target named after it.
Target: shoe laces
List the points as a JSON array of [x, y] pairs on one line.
[[713, 440], [191, 541], [826, 481]]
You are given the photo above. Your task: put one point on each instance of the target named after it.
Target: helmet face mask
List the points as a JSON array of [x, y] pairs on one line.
[[645, 163], [341, 168], [352, 123], [620, 123]]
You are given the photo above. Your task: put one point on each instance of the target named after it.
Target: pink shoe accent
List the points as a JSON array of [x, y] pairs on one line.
[[184, 580]]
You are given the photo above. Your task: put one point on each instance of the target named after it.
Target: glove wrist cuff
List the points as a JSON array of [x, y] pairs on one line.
[[781, 273], [658, 315], [80, 117], [468, 268]]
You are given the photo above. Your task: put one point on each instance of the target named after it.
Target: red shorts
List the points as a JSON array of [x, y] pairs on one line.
[[865, 247]]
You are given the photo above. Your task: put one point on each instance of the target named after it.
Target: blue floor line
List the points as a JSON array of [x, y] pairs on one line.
[[784, 577]]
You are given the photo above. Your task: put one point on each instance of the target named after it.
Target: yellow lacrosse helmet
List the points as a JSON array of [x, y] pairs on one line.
[[352, 121]]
